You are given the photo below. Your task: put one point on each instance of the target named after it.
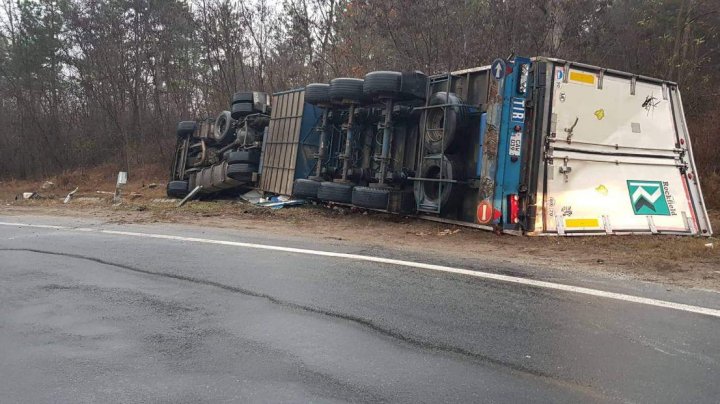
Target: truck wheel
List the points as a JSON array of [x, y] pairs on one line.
[[177, 189], [317, 93], [224, 128], [382, 84], [251, 156], [304, 188], [347, 90], [241, 171], [186, 128], [452, 118], [240, 109], [430, 191], [243, 96], [335, 192], [370, 198]]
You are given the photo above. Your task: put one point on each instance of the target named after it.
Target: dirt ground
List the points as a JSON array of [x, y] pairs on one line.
[[684, 261]]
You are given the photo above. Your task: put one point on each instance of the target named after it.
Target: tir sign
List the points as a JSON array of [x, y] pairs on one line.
[[518, 111], [517, 117]]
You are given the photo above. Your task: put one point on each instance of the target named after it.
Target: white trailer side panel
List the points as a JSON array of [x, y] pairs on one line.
[[600, 195], [612, 116], [616, 159]]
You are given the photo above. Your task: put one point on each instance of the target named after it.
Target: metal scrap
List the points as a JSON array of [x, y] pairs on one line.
[[190, 195], [282, 204], [274, 202]]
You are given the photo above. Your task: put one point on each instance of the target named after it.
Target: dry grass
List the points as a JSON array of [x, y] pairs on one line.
[[89, 181]]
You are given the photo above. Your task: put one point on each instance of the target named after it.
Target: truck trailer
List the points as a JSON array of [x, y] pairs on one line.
[[568, 148], [535, 146]]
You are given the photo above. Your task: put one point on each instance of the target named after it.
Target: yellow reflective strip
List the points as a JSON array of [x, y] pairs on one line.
[[582, 223], [580, 77]]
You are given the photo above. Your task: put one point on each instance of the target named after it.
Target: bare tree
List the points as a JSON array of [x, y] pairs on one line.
[[93, 82]]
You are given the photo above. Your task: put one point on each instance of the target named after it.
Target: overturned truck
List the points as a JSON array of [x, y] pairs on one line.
[[535, 146], [221, 154]]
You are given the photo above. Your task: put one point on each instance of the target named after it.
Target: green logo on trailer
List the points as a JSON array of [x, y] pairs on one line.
[[648, 198]]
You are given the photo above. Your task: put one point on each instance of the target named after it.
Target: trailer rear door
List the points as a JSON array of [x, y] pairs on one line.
[[618, 157]]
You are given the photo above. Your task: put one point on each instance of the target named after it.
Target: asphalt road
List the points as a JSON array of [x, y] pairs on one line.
[[94, 317]]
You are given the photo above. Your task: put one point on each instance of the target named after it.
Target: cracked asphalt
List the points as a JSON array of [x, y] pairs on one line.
[[91, 317]]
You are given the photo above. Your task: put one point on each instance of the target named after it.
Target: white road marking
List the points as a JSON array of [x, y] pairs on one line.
[[40, 226], [411, 264]]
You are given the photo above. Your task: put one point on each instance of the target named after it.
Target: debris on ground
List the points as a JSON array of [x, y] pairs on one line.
[[152, 185], [190, 196], [70, 195], [253, 196], [30, 195], [448, 232], [47, 185], [275, 202], [282, 204], [340, 209]]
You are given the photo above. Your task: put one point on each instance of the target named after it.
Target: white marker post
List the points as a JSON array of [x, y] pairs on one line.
[[121, 181]]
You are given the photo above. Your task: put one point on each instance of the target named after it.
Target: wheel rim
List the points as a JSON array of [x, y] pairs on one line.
[[432, 188], [435, 121]]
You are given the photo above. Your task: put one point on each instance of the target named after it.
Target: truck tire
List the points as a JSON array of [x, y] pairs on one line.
[[304, 188], [240, 109], [177, 189], [335, 192], [317, 93], [241, 171], [371, 198], [347, 90], [243, 96], [224, 128], [429, 191], [453, 118], [186, 128], [382, 84], [251, 156]]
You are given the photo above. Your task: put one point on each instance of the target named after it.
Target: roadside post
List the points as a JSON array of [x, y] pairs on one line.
[[121, 181]]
